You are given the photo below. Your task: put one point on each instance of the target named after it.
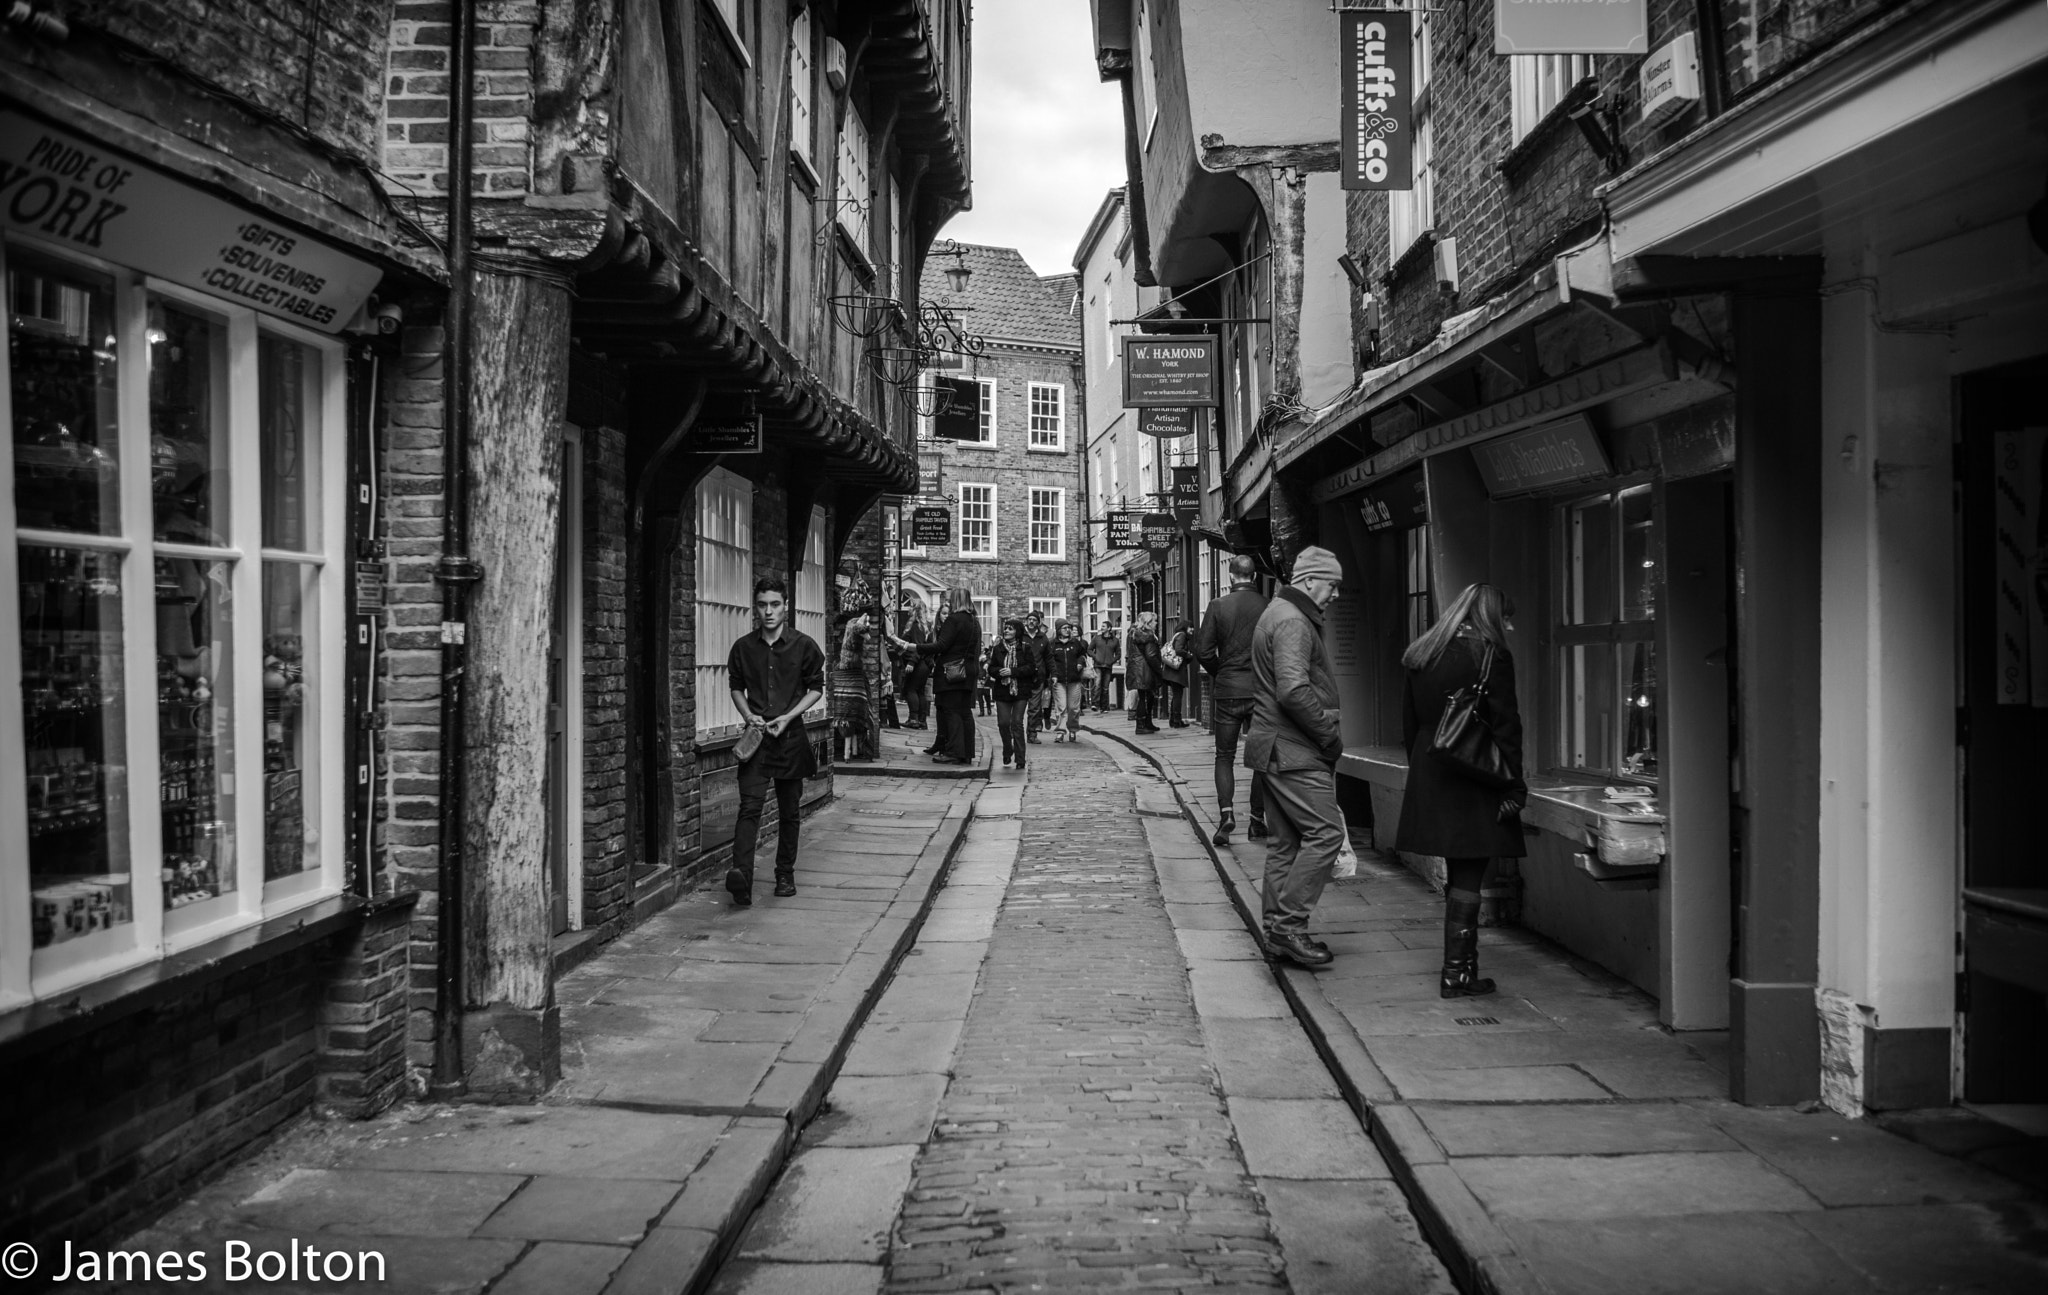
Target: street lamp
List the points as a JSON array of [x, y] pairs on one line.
[[958, 273]]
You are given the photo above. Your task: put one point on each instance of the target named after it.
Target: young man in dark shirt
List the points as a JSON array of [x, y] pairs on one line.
[[776, 673]]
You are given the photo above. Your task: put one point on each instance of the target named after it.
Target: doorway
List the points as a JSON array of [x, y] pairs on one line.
[[2003, 732], [564, 761]]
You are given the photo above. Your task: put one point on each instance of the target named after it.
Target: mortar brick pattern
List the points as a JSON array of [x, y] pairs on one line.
[[415, 118]]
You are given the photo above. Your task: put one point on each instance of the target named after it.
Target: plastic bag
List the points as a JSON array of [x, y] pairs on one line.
[[1347, 858]]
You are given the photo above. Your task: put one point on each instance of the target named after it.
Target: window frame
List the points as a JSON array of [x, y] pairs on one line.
[[855, 186], [1619, 634], [986, 415], [1411, 212], [803, 95], [712, 677], [153, 930], [811, 577], [1537, 83], [1058, 417], [989, 612], [1054, 610], [1059, 538], [960, 521]]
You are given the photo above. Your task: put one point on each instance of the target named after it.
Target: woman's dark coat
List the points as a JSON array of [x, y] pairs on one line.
[[1023, 663], [958, 639], [1443, 812], [1067, 659], [1141, 660], [1177, 675]]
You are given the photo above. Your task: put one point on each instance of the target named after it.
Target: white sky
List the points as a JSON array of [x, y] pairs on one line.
[[1048, 135]]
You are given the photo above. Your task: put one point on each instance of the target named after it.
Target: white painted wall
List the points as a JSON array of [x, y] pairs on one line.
[[1261, 73], [1326, 345]]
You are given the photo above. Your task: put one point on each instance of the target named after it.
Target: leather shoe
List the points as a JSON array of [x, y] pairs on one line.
[[1257, 830], [740, 886], [1298, 949], [1223, 828], [785, 884]]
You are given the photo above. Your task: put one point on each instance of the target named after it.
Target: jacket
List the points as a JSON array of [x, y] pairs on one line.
[[1223, 644], [1040, 647], [1442, 812], [1023, 665], [1104, 650], [1183, 647], [958, 639], [1142, 665], [1066, 659], [1294, 719]]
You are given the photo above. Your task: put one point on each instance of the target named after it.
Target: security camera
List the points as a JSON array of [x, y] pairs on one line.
[[388, 317]]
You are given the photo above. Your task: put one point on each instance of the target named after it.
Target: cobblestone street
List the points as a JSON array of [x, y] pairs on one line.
[[1128, 1105]]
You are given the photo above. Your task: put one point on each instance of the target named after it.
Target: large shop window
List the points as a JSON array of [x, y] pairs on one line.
[[810, 582], [725, 591], [174, 498], [1606, 655]]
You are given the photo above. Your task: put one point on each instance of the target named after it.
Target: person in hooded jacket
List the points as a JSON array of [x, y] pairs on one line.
[[1067, 664], [1013, 678], [1143, 669]]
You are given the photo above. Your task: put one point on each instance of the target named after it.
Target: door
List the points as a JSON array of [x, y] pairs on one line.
[[2003, 732]]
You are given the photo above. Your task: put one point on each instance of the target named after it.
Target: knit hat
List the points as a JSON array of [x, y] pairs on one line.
[[1318, 562]]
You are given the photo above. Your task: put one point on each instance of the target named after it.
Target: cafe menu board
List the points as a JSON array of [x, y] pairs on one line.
[[1169, 371]]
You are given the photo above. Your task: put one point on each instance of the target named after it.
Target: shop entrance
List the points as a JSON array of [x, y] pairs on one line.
[[2003, 732]]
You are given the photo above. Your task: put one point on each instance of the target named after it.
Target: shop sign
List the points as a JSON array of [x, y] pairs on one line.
[[1158, 532], [1376, 145], [1554, 454], [1571, 26], [930, 526], [1187, 493], [931, 476], [1396, 504], [1123, 530], [1670, 79], [959, 416], [1169, 371], [736, 436], [1167, 422], [67, 190]]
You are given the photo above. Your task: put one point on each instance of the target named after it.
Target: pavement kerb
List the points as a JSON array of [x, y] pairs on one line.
[[1479, 1254], [736, 1185]]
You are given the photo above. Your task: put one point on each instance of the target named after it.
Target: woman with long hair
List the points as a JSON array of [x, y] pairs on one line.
[[917, 670], [1013, 678], [1446, 812], [853, 706], [955, 651]]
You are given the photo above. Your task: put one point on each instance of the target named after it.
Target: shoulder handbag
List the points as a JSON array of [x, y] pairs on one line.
[[1170, 655], [1464, 740], [956, 669]]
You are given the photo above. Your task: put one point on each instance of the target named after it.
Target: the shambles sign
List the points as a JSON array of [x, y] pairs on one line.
[[1377, 134], [1571, 26], [65, 189], [1169, 371], [1158, 532]]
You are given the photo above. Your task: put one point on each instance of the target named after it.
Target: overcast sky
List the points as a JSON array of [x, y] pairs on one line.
[[1048, 135]]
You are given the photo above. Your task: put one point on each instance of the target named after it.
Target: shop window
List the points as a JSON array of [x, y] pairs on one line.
[[725, 591], [1606, 666], [977, 521], [809, 617], [174, 464]]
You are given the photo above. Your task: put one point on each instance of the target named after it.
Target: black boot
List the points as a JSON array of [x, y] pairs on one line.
[[1461, 978], [1223, 827], [739, 883], [1257, 829], [785, 881]]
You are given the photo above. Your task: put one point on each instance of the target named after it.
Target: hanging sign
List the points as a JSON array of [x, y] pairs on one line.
[[1571, 26], [931, 476], [82, 196], [930, 526], [732, 436], [1376, 145], [1187, 493], [1169, 371], [1168, 422], [1396, 504], [959, 416], [1123, 531], [1158, 532], [1670, 79], [1554, 454]]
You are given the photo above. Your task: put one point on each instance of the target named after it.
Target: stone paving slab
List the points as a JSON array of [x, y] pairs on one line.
[[562, 1268], [1344, 1237], [597, 1211]]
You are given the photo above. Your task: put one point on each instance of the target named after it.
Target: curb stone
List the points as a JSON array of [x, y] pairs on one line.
[[1479, 1254]]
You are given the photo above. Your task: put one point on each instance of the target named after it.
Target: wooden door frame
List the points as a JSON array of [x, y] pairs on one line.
[[571, 595]]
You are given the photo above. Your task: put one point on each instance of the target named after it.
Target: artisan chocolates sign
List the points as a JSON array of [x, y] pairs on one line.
[[1377, 131], [1571, 26], [67, 190]]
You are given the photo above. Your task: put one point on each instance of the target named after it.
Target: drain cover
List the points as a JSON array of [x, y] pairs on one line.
[[1479, 1020]]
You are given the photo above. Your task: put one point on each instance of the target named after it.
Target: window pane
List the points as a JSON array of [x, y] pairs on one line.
[[195, 724], [188, 424], [1639, 733], [1590, 694], [290, 755], [288, 393], [60, 346], [1589, 563], [72, 666], [1638, 565]]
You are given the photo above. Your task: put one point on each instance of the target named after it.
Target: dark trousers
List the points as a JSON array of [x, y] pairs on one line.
[[1108, 696], [920, 704], [1176, 693], [1141, 707], [1010, 723], [1233, 716], [956, 724], [789, 794]]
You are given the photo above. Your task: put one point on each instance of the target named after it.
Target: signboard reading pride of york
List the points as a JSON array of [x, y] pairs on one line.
[[1376, 145], [1169, 371], [1571, 26], [65, 189]]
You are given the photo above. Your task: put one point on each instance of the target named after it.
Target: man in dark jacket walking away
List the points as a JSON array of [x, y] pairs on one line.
[[1295, 742], [1224, 647]]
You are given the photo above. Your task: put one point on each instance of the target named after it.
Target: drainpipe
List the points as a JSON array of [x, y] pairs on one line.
[[456, 572]]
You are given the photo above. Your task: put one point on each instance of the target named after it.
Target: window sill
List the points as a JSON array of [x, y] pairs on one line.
[[806, 173], [1517, 159], [1045, 557], [739, 47], [1570, 807], [38, 1026], [974, 445], [1408, 261], [1045, 449], [975, 557]]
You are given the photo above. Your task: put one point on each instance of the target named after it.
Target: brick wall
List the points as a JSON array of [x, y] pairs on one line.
[[416, 105], [607, 871], [360, 1038], [1013, 579], [319, 66]]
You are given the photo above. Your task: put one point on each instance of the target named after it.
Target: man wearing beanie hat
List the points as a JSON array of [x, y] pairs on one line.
[[1294, 742]]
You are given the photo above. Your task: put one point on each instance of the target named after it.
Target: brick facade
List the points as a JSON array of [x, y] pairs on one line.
[[415, 109]]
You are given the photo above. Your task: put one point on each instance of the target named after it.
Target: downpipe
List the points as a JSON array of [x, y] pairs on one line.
[[456, 572]]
